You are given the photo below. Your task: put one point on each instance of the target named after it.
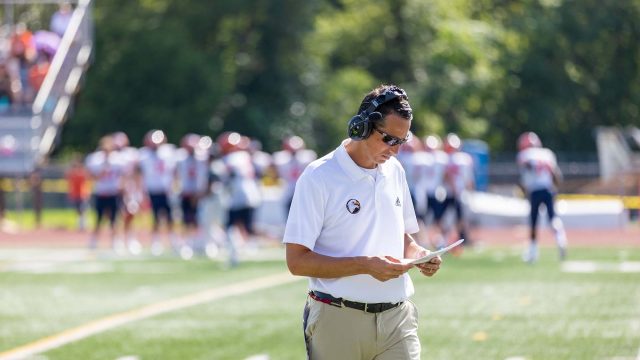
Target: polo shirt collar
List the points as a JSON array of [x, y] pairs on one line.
[[352, 169]]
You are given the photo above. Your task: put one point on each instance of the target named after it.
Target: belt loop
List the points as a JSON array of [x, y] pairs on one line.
[[365, 307]]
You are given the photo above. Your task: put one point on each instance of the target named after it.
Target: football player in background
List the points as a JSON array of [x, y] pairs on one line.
[[539, 178]]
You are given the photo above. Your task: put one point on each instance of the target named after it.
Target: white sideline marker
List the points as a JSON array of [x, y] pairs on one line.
[[115, 320]]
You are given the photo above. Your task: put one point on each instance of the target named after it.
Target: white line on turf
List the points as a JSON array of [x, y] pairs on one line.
[[595, 266], [115, 320]]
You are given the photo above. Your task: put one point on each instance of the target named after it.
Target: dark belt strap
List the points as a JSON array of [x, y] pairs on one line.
[[340, 302]]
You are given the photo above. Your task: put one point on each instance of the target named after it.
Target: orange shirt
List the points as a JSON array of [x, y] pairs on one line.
[[77, 184]]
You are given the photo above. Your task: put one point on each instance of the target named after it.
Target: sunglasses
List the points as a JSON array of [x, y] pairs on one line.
[[392, 140]]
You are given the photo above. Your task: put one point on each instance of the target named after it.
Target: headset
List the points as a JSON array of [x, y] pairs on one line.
[[360, 126]]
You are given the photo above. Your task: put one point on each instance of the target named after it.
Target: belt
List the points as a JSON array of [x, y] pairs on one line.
[[340, 302]]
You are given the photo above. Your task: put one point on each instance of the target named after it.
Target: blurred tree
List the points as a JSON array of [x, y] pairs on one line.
[[578, 69], [146, 74], [483, 68]]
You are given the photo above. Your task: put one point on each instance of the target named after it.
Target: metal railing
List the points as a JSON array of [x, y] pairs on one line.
[[54, 101]]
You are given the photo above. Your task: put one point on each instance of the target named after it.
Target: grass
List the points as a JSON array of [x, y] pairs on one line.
[[483, 305]]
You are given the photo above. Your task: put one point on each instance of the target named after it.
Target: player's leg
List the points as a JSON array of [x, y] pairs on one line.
[[461, 223], [556, 225], [439, 209], [535, 200], [167, 209], [189, 205], [233, 218], [156, 244], [113, 209], [99, 206], [128, 209]]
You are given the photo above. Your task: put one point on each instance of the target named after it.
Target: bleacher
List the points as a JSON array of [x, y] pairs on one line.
[[28, 136]]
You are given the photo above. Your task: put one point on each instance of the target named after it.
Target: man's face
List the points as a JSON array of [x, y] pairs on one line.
[[393, 125]]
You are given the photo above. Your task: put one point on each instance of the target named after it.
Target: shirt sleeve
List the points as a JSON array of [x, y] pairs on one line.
[[306, 215]]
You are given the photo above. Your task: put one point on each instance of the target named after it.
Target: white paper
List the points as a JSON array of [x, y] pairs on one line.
[[433, 254]]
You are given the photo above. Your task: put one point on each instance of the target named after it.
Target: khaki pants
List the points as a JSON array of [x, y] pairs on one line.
[[334, 333]]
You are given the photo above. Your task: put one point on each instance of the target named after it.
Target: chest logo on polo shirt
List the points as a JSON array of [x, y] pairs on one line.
[[353, 206], [397, 201]]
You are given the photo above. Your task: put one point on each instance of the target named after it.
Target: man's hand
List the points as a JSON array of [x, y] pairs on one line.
[[429, 268], [386, 268]]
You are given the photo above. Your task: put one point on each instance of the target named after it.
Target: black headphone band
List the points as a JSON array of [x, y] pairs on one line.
[[388, 95]]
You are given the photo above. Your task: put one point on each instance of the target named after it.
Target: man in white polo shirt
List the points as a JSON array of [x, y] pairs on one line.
[[348, 231]]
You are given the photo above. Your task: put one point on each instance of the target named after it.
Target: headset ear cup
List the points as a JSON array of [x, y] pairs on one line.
[[359, 128], [375, 117]]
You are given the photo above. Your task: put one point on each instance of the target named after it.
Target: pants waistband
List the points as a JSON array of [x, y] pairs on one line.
[[340, 302]]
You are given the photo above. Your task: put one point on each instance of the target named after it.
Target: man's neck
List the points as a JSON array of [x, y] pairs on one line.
[[357, 151]]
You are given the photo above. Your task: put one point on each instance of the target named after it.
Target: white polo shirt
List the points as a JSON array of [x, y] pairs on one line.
[[339, 210]]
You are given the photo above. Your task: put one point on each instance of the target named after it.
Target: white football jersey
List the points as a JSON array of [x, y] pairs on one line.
[[537, 166], [192, 174], [459, 173], [157, 169], [290, 167], [106, 170]]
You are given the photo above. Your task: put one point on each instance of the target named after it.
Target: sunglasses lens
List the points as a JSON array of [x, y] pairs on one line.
[[392, 140]]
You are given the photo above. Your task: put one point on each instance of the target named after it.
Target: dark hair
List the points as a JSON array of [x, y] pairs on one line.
[[399, 105]]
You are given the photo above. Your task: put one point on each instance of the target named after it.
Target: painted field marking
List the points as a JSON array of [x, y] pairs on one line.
[[593, 266], [115, 320]]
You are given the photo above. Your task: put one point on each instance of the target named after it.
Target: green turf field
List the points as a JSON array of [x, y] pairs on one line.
[[483, 305]]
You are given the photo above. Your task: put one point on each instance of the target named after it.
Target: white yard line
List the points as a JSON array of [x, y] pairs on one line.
[[588, 267], [115, 320]]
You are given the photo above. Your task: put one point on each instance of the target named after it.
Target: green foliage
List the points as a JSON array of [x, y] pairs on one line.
[[489, 69]]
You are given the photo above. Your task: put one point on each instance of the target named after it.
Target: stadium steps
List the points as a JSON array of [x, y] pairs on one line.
[[28, 137]]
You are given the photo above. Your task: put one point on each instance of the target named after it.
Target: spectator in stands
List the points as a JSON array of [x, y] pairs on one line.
[[6, 92], [61, 18], [23, 53], [77, 192], [539, 178], [37, 72]]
